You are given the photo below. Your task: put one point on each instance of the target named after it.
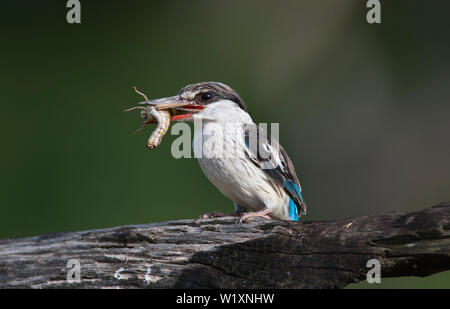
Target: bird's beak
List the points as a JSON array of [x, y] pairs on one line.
[[180, 108]]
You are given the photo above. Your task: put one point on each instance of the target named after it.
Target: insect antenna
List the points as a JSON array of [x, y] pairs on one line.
[[140, 129], [133, 108], [137, 91]]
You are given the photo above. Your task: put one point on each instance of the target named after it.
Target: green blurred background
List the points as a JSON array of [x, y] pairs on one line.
[[363, 109]]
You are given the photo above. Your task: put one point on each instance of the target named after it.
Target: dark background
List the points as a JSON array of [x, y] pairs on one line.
[[363, 108]]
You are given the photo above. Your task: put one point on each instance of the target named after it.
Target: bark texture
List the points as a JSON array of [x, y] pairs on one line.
[[215, 253]]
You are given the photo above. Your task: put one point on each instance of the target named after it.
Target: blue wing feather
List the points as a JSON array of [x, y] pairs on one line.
[[281, 170], [294, 190], [293, 210]]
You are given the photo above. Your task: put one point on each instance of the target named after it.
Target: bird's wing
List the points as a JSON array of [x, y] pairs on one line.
[[266, 153]]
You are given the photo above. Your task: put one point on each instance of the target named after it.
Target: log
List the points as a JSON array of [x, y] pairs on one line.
[[216, 253]]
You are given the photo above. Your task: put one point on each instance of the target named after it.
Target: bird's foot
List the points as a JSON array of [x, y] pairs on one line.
[[218, 214], [262, 213]]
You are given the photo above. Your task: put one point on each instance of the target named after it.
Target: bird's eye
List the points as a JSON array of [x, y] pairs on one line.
[[206, 96]]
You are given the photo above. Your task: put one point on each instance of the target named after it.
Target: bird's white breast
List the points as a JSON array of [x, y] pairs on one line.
[[233, 173]]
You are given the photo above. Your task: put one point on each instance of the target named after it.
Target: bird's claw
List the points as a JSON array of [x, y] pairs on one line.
[[239, 221], [247, 215]]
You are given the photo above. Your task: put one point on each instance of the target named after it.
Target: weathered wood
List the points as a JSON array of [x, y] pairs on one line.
[[214, 253]]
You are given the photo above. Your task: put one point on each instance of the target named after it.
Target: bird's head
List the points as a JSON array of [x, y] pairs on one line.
[[195, 98]]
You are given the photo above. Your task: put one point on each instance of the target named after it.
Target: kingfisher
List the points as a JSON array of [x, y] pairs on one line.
[[261, 182]]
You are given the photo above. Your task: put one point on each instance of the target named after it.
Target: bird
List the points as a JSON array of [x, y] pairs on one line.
[[261, 181]]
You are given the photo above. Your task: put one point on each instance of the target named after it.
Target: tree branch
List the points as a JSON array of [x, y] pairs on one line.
[[214, 253]]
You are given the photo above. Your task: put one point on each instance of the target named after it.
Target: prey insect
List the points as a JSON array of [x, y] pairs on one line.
[[162, 112], [150, 114], [163, 119]]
